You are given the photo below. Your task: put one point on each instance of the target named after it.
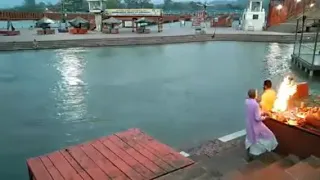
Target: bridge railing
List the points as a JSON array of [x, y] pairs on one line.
[[307, 45]]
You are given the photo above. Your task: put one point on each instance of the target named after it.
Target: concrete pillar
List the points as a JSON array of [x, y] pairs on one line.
[[98, 21], [311, 73], [305, 70]]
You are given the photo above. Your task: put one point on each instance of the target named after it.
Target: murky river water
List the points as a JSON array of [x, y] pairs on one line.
[[181, 94]]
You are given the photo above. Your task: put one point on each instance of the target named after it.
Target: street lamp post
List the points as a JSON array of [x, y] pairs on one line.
[[62, 11], [302, 29], [304, 17]]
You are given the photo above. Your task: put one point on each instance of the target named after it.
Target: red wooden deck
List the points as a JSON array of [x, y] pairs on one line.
[[131, 154]]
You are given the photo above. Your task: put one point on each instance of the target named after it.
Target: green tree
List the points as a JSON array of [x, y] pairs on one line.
[[167, 4], [138, 3], [113, 4], [30, 3]]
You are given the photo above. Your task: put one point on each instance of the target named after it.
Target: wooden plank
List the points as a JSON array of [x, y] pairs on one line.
[[140, 168], [132, 157], [105, 165], [145, 152], [66, 170], [163, 151], [131, 173], [145, 157], [38, 169], [91, 168], [55, 174], [75, 165]]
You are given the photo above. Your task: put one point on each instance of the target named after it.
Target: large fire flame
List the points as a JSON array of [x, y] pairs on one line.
[[287, 89]]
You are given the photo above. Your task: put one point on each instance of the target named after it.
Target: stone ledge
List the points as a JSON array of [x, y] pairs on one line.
[[154, 40]]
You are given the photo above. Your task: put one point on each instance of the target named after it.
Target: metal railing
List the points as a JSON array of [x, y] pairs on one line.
[[306, 45]]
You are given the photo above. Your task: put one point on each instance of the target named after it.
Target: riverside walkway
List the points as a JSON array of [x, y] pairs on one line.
[[172, 33], [30, 35]]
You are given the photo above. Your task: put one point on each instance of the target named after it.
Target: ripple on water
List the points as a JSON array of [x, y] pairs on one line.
[[70, 92], [277, 60]]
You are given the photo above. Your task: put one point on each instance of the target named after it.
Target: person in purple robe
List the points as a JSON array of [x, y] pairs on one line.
[[259, 138]]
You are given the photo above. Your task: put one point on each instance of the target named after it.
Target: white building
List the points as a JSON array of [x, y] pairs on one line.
[[97, 7], [253, 17]]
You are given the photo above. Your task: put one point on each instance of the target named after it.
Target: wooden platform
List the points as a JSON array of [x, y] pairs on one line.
[[304, 62], [131, 154]]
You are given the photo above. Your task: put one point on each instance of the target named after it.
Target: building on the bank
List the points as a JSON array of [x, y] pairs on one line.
[[253, 17], [97, 7], [130, 16], [306, 53], [127, 16]]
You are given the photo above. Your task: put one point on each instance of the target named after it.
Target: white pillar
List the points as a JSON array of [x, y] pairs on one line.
[[98, 21], [311, 73]]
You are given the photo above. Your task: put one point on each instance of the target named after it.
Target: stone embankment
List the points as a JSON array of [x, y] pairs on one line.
[[151, 40]]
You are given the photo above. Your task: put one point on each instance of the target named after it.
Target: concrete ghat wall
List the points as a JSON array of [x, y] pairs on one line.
[[11, 46]]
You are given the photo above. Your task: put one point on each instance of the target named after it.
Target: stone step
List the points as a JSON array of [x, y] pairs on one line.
[[207, 176], [226, 161], [233, 175], [313, 161], [300, 170], [199, 158], [252, 167], [269, 158], [275, 171], [244, 171], [311, 176], [189, 173]]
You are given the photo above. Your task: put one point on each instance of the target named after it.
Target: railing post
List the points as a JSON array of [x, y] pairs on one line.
[[296, 36], [315, 44], [301, 38]]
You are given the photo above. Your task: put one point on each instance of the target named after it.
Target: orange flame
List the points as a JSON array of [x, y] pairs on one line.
[[287, 89]]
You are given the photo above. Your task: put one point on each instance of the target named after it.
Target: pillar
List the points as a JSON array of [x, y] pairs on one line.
[[98, 21], [133, 24], [311, 73]]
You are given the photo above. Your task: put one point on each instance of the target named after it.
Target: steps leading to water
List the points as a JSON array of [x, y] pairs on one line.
[[290, 25], [231, 164]]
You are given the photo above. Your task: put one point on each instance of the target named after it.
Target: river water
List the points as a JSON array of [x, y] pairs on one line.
[[182, 94]]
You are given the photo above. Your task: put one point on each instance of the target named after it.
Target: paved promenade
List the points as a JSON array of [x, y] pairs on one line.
[[30, 35], [172, 33]]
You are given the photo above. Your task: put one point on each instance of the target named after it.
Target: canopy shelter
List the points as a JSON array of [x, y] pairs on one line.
[[79, 22], [111, 21], [110, 25], [143, 22], [44, 22]]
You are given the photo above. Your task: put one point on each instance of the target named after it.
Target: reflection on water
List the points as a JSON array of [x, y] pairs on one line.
[[278, 65], [70, 91], [277, 59]]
